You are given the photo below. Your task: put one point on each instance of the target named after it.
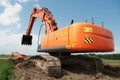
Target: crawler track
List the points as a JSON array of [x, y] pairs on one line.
[[84, 62], [48, 64]]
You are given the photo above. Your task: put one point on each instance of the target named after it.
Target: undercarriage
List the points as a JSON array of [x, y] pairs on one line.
[[49, 65], [52, 64]]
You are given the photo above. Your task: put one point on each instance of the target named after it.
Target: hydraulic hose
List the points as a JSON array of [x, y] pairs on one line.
[[39, 34]]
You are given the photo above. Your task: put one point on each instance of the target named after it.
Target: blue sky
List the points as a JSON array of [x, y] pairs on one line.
[[14, 18]]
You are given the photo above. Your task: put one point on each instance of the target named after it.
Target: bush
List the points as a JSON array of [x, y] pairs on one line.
[[5, 69], [114, 56]]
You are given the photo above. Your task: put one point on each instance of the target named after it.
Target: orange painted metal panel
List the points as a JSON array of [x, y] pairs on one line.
[[80, 37]]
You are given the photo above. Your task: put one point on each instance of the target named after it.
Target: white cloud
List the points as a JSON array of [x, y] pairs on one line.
[[37, 5], [117, 50], [23, 1], [18, 26], [10, 15], [12, 42], [4, 3]]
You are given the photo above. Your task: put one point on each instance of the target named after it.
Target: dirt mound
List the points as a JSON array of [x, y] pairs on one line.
[[26, 70], [111, 71]]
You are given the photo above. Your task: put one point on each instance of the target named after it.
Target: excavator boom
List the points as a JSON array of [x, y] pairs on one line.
[[18, 55], [47, 18]]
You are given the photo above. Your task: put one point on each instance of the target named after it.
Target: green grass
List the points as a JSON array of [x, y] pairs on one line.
[[6, 69], [111, 62], [4, 56]]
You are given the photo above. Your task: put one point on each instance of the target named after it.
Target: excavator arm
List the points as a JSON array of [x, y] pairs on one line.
[[18, 55], [47, 18]]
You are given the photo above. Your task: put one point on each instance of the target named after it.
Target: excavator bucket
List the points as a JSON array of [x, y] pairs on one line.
[[26, 40]]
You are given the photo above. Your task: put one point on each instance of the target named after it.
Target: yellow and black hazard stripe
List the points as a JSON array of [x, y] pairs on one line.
[[88, 40]]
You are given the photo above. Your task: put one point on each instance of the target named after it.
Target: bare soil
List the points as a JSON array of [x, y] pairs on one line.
[[26, 70]]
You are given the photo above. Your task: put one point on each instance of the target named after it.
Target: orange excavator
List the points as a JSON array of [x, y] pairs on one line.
[[61, 43], [18, 55]]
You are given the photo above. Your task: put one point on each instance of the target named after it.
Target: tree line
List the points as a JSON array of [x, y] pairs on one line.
[[115, 56]]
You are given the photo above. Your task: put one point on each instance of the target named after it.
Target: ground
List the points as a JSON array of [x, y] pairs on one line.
[[29, 71]]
